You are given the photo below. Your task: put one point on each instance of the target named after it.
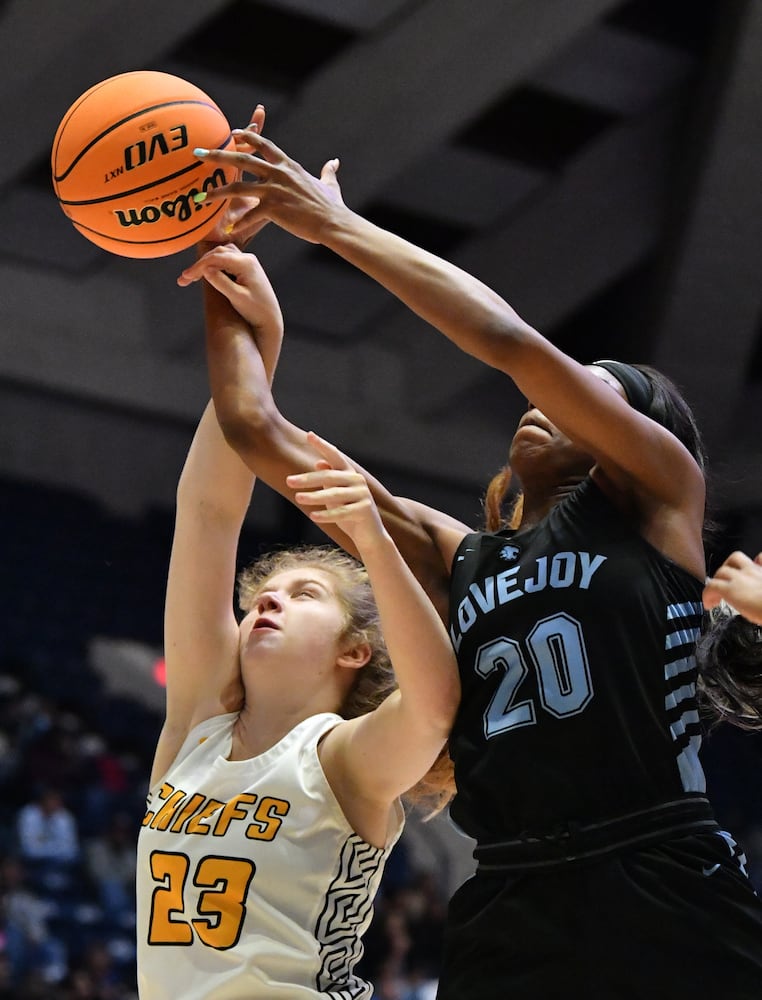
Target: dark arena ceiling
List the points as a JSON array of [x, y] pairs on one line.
[[597, 162]]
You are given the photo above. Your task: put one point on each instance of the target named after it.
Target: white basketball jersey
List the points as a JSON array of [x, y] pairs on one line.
[[251, 883]]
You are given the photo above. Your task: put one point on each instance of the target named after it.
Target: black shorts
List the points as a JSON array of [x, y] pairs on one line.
[[675, 921]]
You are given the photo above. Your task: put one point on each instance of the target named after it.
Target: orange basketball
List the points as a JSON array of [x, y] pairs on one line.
[[123, 165]]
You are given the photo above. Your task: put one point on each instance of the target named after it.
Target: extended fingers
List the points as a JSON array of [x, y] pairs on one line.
[[329, 452], [710, 598], [243, 189], [265, 147], [264, 153], [349, 510], [225, 257], [257, 120], [332, 493], [737, 560], [329, 178], [329, 171]]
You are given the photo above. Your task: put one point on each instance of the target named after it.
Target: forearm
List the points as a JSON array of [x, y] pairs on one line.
[[240, 370], [463, 308], [240, 348], [474, 317], [215, 484], [416, 639]]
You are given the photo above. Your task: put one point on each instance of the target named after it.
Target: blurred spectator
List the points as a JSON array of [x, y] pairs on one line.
[[110, 863], [387, 985], [48, 841], [51, 751], [96, 976], [7, 989], [425, 911], [420, 988], [10, 702], [30, 947], [105, 786]]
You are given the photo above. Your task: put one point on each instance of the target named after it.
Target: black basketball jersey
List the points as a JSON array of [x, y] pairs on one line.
[[575, 641]]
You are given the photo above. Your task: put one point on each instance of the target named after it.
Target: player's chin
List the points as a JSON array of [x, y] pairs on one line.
[[528, 447]]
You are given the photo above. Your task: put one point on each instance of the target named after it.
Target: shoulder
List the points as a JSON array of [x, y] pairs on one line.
[[445, 534], [174, 747]]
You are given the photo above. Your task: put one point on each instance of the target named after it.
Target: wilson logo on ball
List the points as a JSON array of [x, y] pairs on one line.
[[181, 208]]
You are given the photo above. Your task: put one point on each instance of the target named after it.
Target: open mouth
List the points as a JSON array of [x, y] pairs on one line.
[[264, 623]]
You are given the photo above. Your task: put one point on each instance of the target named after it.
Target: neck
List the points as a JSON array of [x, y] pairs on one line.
[[259, 727], [538, 504], [252, 737]]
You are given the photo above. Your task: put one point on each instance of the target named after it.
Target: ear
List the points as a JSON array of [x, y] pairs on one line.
[[355, 656]]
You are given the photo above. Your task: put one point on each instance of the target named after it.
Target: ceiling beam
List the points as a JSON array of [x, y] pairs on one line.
[[598, 219], [414, 85], [66, 49], [712, 298]]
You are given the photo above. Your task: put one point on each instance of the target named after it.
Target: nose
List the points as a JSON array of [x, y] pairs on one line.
[[268, 601]]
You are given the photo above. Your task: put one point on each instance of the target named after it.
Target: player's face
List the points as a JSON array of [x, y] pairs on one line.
[[296, 619], [539, 448], [539, 443]]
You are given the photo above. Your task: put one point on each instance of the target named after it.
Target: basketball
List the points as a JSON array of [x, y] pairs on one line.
[[123, 166]]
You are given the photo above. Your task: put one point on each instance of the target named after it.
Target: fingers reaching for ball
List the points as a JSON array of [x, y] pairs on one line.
[[287, 194], [241, 279]]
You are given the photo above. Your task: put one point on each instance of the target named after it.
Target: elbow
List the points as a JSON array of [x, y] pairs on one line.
[[448, 705], [245, 423], [504, 339]]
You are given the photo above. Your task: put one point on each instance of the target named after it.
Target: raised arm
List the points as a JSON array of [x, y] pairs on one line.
[[373, 759], [632, 449], [272, 447], [213, 496]]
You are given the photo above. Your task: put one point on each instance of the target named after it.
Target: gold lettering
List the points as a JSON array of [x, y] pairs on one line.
[[197, 824], [268, 818], [232, 811], [163, 817], [187, 811]]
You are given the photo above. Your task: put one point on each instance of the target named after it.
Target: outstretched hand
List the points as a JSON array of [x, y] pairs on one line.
[[341, 493], [739, 582], [234, 225], [284, 192], [241, 279]]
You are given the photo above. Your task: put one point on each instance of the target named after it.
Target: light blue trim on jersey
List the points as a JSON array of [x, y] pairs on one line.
[[736, 851], [689, 766], [691, 771], [681, 666], [684, 610], [682, 637], [679, 726], [684, 693]]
